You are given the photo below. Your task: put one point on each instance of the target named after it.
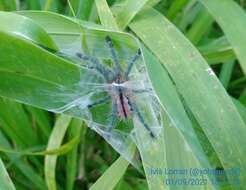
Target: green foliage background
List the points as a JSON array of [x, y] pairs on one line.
[[195, 52]]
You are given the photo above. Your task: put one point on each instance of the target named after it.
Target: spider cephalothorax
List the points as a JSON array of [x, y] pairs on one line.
[[118, 93]]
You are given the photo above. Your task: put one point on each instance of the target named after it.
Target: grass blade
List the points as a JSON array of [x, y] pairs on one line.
[[111, 177], [82, 8], [201, 25], [74, 130], [232, 19], [126, 11], [21, 166], [105, 15], [5, 181], [55, 141]]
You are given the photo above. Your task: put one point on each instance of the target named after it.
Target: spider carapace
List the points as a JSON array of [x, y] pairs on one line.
[[122, 103]]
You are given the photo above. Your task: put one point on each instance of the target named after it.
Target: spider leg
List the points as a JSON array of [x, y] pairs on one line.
[[103, 70], [142, 90], [133, 61], [141, 118], [113, 117], [99, 101], [116, 64]]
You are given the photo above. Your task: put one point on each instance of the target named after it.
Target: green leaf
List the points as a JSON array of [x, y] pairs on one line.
[[200, 26], [16, 124], [55, 141], [217, 51], [26, 28], [105, 15], [82, 8], [198, 85], [111, 177], [232, 19], [74, 131], [126, 10], [63, 149], [8, 5], [22, 166], [175, 7], [226, 72], [43, 120], [5, 181], [186, 140]]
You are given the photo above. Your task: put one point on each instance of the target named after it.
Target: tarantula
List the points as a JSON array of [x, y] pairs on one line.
[[122, 104]]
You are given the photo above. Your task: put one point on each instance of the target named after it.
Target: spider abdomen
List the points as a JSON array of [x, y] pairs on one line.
[[123, 107]]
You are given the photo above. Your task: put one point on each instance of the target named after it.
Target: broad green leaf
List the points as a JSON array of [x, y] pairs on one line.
[[198, 85], [5, 181], [33, 84], [232, 19], [55, 141], [26, 28], [59, 23], [111, 177]]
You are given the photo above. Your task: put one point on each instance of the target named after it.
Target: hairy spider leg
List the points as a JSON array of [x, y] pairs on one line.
[[142, 90], [141, 118], [103, 70], [132, 62], [99, 101], [116, 65], [113, 117]]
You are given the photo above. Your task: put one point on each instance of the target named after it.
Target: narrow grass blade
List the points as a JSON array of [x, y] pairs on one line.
[[126, 10], [105, 15], [200, 26], [111, 177], [24, 168], [210, 104], [82, 8], [241, 108], [232, 19], [63, 149], [175, 7], [18, 125], [55, 141], [33, 5], [217, 51], [226, 73], [43, 121], [5, 181], [74, 130]]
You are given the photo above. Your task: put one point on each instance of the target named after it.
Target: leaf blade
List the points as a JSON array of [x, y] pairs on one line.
[[225, 12]]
